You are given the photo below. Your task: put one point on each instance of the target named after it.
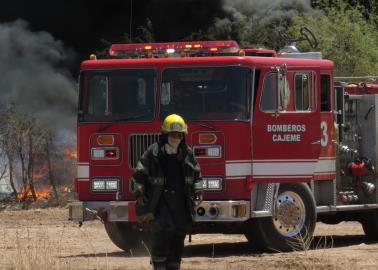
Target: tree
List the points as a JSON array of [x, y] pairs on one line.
[[8, 142], [23, 142], [345, 36]]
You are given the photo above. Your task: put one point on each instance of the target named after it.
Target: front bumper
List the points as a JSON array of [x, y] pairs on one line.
[[222, 211], [115, 211], [123, 211]]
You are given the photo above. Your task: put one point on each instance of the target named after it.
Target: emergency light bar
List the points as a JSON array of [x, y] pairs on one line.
[[177, 48]]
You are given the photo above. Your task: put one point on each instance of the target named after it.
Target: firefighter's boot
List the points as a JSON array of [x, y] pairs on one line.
[[159, 266], [173, 265]]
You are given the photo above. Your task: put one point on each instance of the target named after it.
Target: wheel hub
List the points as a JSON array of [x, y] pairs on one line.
[[290, 214]]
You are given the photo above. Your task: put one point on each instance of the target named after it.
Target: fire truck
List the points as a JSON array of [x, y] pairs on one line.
[[280, 142]]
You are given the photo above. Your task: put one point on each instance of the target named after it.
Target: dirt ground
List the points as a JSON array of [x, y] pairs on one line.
[[45, 239]]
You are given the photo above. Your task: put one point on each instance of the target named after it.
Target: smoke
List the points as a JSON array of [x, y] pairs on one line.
[[265, 10], [32, 76]]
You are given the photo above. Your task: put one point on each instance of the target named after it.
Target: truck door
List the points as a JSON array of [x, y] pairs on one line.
[[286, 142], [326, 165]]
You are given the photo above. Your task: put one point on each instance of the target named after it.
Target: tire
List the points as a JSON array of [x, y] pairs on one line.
[[293, 224], [128, 238], [369, 223]]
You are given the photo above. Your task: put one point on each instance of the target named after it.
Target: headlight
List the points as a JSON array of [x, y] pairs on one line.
[[98, 185], [214, 184], [112, 185], [105, 184]]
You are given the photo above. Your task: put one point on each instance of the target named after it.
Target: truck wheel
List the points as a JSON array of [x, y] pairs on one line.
[[369, 223], [293, 223], [124, 236]]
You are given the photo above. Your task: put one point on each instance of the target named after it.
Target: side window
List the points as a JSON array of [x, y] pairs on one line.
[[269, 93], [284, 93], [302, 92], [325, 93], [98, 96]]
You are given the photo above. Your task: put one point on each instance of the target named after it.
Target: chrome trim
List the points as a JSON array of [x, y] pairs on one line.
[[84, 211], [118, 211], [340, 208], [76, 211], [258, 214], [138, 144], [224, 211]]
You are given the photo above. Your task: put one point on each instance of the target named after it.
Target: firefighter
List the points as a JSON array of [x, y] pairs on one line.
[[166, 182]]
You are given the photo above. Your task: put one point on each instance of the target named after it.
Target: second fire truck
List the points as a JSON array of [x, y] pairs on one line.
[[279, 146]]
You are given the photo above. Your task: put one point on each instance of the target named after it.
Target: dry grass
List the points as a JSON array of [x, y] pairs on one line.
[[313, 253], [34, 249], [45, 249]]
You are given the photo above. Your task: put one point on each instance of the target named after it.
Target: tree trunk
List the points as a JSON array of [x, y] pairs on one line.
[[48, 156], [25, 188], [10, 161], [30, 168]]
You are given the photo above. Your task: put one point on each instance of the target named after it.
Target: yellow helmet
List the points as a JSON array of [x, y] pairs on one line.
[[174, 123]]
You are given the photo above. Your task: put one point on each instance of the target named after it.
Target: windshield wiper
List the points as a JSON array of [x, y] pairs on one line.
[[205, 125], [132, 117]]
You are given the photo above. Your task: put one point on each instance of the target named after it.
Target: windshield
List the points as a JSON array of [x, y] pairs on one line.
[[117, 95], [209, 93]]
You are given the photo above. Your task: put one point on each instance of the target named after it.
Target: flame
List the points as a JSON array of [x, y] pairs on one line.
[[66, 189], [43, 192], [71, 153]]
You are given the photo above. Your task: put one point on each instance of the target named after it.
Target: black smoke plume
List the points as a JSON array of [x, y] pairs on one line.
[[32, 76], [265, 10]]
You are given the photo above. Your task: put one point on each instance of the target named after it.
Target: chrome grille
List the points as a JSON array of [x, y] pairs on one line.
[[138, 143]]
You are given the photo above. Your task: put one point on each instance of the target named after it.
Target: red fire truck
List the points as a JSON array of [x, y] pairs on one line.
[[279, 146]]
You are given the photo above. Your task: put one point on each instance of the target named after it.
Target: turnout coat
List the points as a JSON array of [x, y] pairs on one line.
[[149, 181]]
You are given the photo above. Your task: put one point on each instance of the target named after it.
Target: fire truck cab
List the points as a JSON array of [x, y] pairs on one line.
[[279, 146]]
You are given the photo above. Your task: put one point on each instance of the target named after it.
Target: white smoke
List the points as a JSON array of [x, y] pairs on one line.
[[33, 75]]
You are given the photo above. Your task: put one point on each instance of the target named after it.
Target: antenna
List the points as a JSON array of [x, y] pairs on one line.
[[131, 19]]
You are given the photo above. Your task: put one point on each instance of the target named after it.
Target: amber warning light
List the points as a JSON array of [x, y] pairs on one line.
[[161, 49]]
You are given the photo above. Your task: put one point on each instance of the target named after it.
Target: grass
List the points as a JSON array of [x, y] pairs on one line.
[[44, 248]]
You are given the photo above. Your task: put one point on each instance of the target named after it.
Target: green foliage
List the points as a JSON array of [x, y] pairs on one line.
[[346, 31], [345, 36]]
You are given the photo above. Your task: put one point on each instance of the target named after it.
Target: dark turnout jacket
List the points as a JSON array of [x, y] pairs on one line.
[[149, 180]]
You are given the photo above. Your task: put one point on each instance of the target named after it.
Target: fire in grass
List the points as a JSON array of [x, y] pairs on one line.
[[47, 193]]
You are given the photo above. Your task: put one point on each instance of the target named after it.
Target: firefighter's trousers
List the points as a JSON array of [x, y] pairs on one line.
[[167, 248], [169, 230]]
